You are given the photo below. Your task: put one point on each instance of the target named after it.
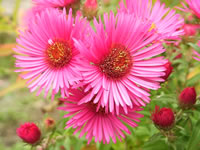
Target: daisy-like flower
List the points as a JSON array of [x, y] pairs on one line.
[[47, 56], [94, 121], [165, 21], [40, 5], [194, 7], [118, 67], [197, 55], [53, 3]]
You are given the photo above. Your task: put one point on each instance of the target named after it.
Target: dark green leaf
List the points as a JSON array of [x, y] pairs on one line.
[[194, 140]]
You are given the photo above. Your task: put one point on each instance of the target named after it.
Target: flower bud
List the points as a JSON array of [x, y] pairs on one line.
[[178, 56], [163, 118], [106, 2], [168, 70], [29, 133], [49, 123], [189, 29], [90, 9], [187, 98]]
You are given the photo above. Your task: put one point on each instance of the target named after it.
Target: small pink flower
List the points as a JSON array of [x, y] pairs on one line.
[[120, 62], [164, 21], [187, 97], [41, 5], [29, 132], [194, 6], [96, 121], [52, 3], [47, 56], [49, 123], [90, 9], [91, 4], [163, 118]]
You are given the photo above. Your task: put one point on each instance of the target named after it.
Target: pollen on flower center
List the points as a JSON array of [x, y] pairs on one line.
[[153, 27], [59, 53], [117, 63]]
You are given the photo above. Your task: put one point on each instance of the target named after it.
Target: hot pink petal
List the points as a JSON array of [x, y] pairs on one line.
[[47, 55], [120, 63], [100, 124]]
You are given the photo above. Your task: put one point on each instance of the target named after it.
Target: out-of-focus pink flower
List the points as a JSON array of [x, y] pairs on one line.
[[163, 118], [106, 2], [47, 54], [165, 21], [49, 123], [52, 3], [194, 6], [29, 133], [90, 9], [190, 29], [41, 5], [190, 18], [118, 64], [187, 97], [96, 121]]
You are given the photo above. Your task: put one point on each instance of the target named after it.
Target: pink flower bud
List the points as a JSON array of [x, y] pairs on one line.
[[49, 123], [163, 118], [168, 70], [90, 9], [29, 133], [106, 2], [190, 29], [178, 56], [187, 98]]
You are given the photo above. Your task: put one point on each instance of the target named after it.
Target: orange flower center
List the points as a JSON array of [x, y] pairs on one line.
[[117, 63], [59, 53]]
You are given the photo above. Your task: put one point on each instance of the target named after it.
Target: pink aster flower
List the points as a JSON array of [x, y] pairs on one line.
[[197, 57], [53, 3], [47, 56], [118, 67], [94, 121], [194, 7], [40, 5], [165, 21]]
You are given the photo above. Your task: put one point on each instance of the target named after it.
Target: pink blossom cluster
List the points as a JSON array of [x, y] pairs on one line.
[[104, 73]]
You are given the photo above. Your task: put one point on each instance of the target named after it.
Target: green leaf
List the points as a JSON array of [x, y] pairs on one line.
[[195, 46], [195, 138], [156, 142], [193, 80], [104, 146]]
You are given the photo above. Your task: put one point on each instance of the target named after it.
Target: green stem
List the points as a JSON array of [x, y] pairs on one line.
[[50, 137], [31, 147], [179, 114], [15, 12]]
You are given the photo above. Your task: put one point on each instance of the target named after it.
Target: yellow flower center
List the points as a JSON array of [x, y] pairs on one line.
[[58, 53], [117, 63]]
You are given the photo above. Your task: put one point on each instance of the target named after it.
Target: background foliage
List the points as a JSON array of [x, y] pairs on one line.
[[18, 105]]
